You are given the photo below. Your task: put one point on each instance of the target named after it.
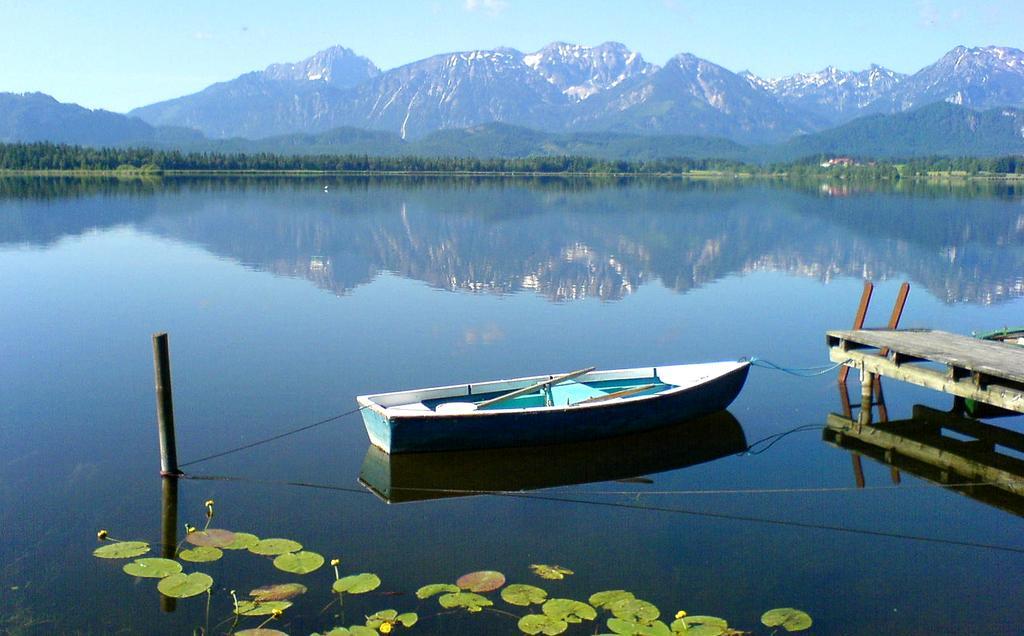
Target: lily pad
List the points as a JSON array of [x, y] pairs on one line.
[[152, 568], [700, 626], [568, 610], [482, 581], [790, 619], [260, 631], [468, 600], [542, 624], [260, 608], [211, 538], [377, 619], [435, 588], [634, 609], [600, 599], [279, 592], [243, 541], [202, 554], [552, 572], [182, 585], [274, 547], [355, 630], [408, 619], [356, 583], [523, 595], [633, 628], [299, 562], [121, 550]]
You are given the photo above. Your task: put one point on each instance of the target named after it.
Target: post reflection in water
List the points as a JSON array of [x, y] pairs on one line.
[[168, 530], [420, 476], [944, 447]]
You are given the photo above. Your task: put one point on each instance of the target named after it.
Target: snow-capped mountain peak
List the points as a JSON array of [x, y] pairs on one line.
[[337, 66], [581, 71]]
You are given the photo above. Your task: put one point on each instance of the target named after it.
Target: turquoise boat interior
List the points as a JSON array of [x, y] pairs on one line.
[[564, 394]]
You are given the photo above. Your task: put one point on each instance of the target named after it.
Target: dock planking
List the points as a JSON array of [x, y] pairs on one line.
[[987, 371]]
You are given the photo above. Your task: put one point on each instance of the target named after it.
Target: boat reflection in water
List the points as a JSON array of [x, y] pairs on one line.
[[943, 447], [422, 476]]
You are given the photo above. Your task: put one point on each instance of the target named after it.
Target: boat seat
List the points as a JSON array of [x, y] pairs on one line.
[[572, 393]]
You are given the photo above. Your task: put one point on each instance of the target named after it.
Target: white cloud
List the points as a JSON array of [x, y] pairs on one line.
[[493, 7]]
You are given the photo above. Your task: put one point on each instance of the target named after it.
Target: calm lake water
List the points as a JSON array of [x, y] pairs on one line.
[[284, 300]]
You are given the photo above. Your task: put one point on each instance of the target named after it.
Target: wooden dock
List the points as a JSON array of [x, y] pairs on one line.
[[981, 370]]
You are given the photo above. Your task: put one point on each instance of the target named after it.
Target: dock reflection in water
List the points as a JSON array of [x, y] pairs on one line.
[[421, 476], [945, 448]]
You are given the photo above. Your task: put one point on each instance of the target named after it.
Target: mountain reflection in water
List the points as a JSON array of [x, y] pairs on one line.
[[563, 239]]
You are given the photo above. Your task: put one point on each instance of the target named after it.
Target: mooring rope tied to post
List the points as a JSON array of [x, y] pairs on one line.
[[272, 438], [800, 372]]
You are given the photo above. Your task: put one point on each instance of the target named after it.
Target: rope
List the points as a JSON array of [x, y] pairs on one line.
[[680, 511], [800, 372], [776, 437], [271, 439]]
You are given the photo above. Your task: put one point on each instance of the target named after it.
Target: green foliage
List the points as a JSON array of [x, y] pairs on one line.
[[391, 617], [183, 585], [790, 619], [121, 550], [569, 610], [279, 592], [152, 568], [469, 601], [435, 588], [523, 595], [260, 608], [601, 599], [274, 547], [356, 583], [299, 562], [242, 541], [201, 554], [551, 572], [542, 624]]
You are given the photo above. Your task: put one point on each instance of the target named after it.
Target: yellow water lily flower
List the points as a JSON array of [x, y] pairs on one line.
[[101, 535], [385, 628]]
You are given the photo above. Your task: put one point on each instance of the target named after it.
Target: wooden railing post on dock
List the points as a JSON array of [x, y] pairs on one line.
[[164, 406], [858, 321]]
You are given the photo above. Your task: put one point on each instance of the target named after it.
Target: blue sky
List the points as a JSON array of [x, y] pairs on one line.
[[119, 55]]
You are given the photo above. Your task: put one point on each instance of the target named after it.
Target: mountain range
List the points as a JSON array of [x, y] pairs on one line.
[[565, 98]]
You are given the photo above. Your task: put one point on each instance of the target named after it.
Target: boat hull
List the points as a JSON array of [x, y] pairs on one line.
[[431, 431]]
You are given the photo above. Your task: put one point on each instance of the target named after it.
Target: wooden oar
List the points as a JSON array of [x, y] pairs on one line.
[[558, 379], [618, 394]]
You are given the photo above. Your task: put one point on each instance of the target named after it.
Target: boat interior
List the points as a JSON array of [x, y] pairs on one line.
[[638, 382]]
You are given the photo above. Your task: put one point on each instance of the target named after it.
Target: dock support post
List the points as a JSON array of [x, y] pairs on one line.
[[164, 406], [867, 381]]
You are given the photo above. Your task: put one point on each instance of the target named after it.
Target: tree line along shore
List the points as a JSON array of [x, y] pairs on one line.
[[59, 159]]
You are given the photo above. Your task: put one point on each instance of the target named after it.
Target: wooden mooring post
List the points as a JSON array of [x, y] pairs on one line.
[[164, 406]]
